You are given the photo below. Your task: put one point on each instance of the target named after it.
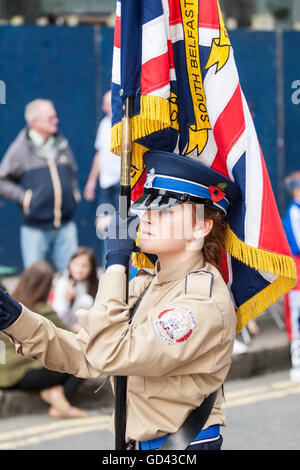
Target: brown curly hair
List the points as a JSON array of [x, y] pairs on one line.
[[214, 241]]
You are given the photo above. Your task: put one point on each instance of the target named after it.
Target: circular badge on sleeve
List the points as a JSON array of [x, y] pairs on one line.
[[175, 325]]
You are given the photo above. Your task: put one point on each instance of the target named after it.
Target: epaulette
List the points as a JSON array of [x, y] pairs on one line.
[[199, 283]]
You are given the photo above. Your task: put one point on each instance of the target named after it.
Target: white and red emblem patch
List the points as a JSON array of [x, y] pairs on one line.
[[175, 325]]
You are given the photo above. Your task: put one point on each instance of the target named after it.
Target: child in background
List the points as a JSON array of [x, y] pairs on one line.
[[20, 373], [77, 287], [292, 299]]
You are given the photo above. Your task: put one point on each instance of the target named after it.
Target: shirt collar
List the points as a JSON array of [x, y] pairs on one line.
[[179, 270], [39, 140]]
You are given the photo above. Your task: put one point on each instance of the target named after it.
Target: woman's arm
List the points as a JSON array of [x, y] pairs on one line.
[[38, 338]]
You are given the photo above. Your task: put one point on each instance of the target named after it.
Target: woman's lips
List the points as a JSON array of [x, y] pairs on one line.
[[145, 233]]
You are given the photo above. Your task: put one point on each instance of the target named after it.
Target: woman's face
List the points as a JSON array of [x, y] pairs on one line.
[[172, 230], [80, 268]]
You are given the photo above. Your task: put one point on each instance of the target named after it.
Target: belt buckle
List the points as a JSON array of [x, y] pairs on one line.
[[131, 445]]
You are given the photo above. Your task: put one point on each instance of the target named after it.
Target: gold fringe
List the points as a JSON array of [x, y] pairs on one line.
[[259, 259], [140, 260], [262, 301], [266, 261], [154, 116]]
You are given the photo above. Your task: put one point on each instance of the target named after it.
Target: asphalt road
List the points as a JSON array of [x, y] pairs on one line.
[[262, 414]]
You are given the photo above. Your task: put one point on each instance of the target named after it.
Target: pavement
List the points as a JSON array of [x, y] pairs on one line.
[[267, 351]]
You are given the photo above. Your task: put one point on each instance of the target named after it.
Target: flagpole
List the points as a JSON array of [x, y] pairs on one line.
[[125, 202]]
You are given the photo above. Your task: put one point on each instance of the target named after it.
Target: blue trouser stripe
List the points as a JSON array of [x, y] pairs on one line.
[[209, 433]]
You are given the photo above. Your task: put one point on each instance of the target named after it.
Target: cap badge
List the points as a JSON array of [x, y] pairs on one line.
[[216, 192], [150, 178]]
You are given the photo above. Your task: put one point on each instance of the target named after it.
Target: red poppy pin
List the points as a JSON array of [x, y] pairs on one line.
[[216, 192]]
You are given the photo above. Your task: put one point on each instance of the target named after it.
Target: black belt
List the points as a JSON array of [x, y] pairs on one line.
[[189, 430], [194, 423]]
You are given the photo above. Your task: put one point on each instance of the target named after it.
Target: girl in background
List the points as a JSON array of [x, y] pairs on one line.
[[77, 287]]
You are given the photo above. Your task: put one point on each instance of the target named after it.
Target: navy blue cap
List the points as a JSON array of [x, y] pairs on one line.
[[174, 179]]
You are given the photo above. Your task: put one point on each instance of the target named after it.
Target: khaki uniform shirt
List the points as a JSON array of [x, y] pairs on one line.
[[176, 351]]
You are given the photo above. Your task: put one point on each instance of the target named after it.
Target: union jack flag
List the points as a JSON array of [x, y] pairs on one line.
[[176, 60]]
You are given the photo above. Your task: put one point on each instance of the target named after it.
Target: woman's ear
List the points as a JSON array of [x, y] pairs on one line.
[[207, 226], [203, 229]]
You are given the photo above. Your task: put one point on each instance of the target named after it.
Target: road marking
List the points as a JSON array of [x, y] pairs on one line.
[[53, 425], [245, 391], [58, 434], [260, 393]]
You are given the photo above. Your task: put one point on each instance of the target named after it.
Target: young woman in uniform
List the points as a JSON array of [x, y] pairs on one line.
[[177, 349]]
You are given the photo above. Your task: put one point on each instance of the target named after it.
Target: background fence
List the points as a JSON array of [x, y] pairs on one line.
[[72, 67]]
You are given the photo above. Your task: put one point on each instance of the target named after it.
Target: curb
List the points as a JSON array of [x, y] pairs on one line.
[[259, 362]]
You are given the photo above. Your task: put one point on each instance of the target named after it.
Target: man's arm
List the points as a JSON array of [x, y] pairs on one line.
[[90, 187], [10, 173]]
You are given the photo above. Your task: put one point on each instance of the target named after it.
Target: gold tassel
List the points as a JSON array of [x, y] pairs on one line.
[[154, 116], [140, 260], [262, 301], [259, 259], [266, 261]]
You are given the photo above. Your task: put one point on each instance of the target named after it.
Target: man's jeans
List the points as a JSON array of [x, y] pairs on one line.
[[58, 245]]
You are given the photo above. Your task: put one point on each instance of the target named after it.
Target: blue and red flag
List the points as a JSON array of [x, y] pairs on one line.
[[174, 57]]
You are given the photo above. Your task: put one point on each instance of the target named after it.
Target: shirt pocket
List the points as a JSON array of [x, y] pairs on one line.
[[136, 384], [155, 385]]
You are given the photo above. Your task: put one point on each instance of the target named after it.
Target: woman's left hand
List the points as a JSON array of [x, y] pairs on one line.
[[120, 239]]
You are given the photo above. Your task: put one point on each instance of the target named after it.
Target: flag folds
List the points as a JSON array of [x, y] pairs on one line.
[[174, 57]]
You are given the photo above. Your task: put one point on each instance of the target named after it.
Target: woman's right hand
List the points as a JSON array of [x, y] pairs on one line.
[[120, 239], [10, 310]]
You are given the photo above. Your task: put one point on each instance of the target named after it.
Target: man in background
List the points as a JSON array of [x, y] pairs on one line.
[[39, 173]]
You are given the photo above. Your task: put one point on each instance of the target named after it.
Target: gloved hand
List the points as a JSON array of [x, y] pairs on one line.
[[120, 239], [10, 310]]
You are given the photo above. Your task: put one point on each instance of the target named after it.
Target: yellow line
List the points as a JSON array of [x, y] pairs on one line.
[[52, 436], [284, 383], [54, 425], [259, 389], [262, 397], [248, 391]]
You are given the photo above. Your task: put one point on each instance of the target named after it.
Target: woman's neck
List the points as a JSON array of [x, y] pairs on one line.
[[170, 259]]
